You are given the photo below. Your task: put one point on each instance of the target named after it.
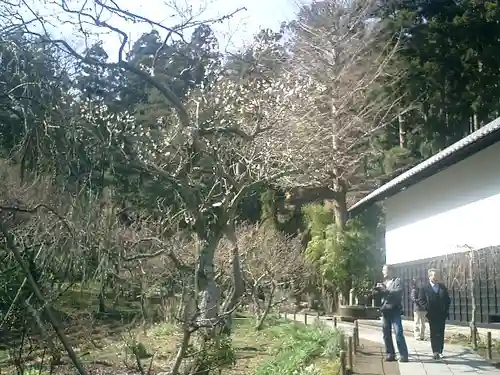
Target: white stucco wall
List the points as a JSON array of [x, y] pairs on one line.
[[458, 206]]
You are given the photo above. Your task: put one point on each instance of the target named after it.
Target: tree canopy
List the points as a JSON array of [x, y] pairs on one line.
[[218, 163]]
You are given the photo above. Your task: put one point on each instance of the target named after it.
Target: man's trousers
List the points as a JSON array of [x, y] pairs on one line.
[[436, 327], [419, 321]]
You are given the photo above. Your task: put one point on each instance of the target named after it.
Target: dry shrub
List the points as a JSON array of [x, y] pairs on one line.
[[271, 261]]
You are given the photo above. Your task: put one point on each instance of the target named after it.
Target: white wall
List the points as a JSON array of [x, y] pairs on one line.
[[458, 206]]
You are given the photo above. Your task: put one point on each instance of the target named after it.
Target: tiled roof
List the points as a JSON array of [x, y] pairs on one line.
[[475, 142]]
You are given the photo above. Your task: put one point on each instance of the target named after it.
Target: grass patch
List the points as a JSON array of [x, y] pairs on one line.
[[304, 350], [34, 370], [163, 330], [253, 348], [105, 345], [464, 341], [110, 351]]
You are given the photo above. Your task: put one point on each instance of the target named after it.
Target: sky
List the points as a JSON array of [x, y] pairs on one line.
[[232, 34]]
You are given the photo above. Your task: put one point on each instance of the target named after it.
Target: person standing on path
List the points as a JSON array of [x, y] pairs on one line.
[[436, 300], [419, 312], [391, 291]]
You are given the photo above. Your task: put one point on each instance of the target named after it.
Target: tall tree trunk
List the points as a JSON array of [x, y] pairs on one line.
[[475, 122], [341, 215], [472, 287], [402, 132], [340, 202], [346, 291], [475, 118], [339, 184]]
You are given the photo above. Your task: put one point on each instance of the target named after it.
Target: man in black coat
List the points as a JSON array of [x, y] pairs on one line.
[[435, 299]]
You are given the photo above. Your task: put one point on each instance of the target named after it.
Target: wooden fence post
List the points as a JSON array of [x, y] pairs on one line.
[[489, 353], [294, 316], [286, 317], [356, 333], [334, 322], [305, 318], [350, 354], [473, 335], [342, 358]]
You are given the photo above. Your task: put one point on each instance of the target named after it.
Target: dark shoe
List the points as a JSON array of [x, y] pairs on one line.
[[403, 359], [390, 358], [437, 356]]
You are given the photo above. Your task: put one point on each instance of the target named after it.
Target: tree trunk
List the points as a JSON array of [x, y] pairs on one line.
[[402, 132], [475, 122], [257, 311], [144, 304], [340, 202], [207, 301], [56, 354], [475, 118], [472, 286], [346, 291], [12, 246], [238, 287], [267, 308], [102, 304], [101, 297], [181, 352], [329, 299], [207, 291], [339, 184]]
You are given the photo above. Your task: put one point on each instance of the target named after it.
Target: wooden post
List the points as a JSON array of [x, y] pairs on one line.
[[294, 316], [334, 322], [342, 358], [489, 353], [356, 333], [305, 318], [350, 354], [317, 315], [473, 334], [354, 347]]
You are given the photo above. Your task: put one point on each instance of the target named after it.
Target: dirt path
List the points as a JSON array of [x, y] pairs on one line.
[[369, 360]]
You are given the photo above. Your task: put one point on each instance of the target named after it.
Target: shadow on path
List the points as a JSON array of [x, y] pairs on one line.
[[369, 360]]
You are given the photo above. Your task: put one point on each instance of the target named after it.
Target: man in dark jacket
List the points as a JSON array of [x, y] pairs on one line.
[[419, 312], [391, 292], [434, 297]]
